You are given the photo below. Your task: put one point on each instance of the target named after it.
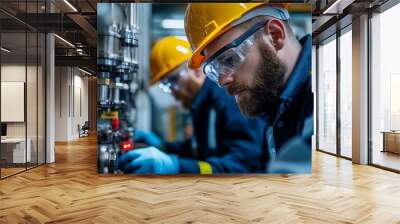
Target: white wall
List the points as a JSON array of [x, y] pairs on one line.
[[33, 126], [16, 73], [61, 103], [71, 94], [80, 100], [12, 73]]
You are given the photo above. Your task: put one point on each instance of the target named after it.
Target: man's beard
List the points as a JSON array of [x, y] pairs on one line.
[[263, 95]]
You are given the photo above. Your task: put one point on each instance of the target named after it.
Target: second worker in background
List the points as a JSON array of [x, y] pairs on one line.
[[226, 141]]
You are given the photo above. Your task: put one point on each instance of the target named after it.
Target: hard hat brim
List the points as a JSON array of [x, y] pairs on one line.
[[163, 73], [197, 57]]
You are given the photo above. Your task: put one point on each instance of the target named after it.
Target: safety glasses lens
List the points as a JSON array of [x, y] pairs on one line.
[[171, 82], [224, 65]]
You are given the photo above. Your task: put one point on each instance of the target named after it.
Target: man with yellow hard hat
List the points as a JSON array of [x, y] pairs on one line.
[[223, 140], [251, 50]]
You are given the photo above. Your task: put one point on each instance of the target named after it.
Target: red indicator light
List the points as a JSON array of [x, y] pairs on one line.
[[126, 146]]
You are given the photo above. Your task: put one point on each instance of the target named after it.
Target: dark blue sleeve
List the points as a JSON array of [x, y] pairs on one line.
[[242, 141], [187, 165], [184, 151], [180, 148]]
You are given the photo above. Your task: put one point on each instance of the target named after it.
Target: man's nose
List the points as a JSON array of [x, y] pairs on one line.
[[225, 80]]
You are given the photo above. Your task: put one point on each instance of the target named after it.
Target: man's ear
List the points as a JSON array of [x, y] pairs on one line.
[[276, 30]]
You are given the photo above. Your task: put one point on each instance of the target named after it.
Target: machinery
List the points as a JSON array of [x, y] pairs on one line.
[[117, 82]]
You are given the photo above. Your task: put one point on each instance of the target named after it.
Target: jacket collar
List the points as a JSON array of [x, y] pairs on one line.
[[299, 76], [301, 72]]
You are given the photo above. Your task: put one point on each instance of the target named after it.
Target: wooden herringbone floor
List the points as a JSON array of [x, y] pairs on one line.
[[70, 191]]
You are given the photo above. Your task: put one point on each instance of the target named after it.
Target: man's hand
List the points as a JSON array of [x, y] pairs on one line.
[[149, 160], [148, 138]]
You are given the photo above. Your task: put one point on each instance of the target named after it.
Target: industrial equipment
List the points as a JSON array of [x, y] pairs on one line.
[[117, 83]]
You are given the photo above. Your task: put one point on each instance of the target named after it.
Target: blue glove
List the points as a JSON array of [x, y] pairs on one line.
[[149, 160], [147, 137]]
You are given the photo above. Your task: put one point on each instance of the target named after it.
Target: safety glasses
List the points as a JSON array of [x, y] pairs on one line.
[[170, 83], [231, 57]]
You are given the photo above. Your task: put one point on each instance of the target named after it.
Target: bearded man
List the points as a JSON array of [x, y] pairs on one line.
[[251, 50]]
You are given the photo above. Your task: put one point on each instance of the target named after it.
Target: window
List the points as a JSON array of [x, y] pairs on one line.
[[385, 89], [327, 96], [346, 93]]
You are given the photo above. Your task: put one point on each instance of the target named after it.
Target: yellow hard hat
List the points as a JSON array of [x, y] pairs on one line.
[[204, 22], [166, 55]]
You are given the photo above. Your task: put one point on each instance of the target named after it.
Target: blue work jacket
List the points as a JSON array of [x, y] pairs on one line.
[[290, 126], [223, 137]]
